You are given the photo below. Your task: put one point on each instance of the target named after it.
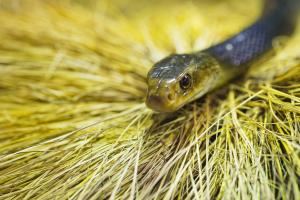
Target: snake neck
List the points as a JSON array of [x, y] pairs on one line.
[[213, 72]]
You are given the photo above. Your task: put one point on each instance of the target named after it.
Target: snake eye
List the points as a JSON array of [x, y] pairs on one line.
[[186, 82]]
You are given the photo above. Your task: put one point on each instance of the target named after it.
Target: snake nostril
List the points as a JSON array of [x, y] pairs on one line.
[[170, 97]]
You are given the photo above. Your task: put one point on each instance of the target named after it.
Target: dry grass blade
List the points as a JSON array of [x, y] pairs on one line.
[[73, 124]]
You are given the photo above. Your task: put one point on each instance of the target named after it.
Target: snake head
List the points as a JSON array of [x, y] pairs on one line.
[[179, 79]]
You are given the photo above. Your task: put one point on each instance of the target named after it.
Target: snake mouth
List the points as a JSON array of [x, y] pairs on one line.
[[159, 104]]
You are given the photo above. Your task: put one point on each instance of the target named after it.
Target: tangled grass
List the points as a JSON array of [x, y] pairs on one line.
[[73, 124]]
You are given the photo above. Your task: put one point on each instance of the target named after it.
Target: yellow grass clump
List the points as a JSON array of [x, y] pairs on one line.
[[73, 124]]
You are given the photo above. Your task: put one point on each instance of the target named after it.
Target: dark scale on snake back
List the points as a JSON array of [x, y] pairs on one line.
[[253, 41]]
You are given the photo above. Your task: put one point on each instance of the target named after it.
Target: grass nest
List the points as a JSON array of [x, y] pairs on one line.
[[73, 124]]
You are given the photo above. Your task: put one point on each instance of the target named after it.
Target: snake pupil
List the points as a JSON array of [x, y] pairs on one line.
[[185, 82]]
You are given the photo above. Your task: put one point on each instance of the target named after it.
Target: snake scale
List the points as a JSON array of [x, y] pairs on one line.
[[181, 78]]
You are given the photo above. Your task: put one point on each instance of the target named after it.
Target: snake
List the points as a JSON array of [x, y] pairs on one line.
[[180, 79]]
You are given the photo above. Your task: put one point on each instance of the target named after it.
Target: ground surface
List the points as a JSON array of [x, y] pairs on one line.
[[73, 124]]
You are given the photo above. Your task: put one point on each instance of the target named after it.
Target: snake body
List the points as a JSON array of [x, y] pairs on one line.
[[182, 78]]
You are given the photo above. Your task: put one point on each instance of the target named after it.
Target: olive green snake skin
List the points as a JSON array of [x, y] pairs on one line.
[[181, 78]]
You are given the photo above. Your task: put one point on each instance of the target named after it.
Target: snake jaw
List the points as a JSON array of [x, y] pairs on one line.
[[162, 99], [157, 103]]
